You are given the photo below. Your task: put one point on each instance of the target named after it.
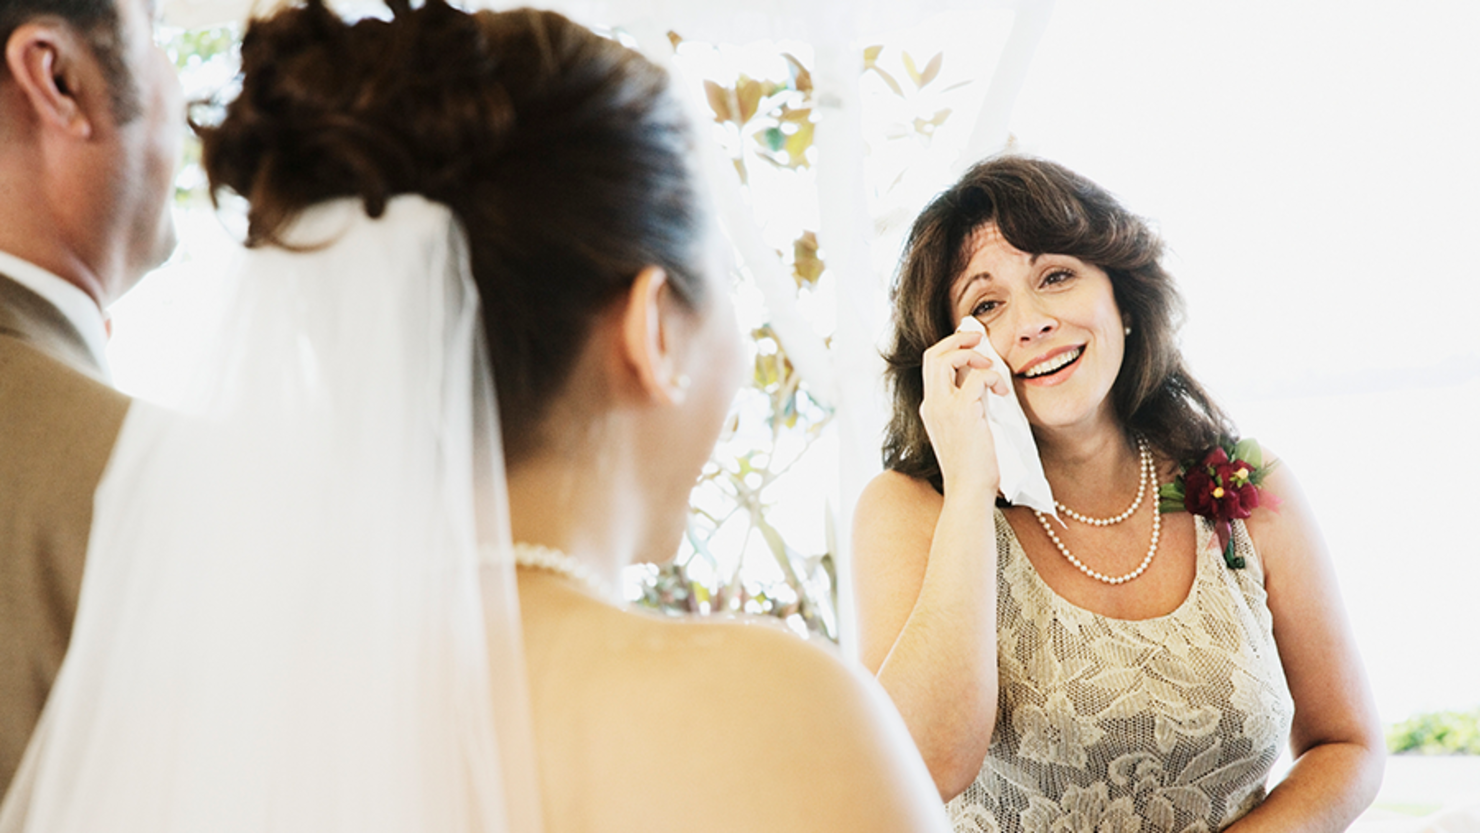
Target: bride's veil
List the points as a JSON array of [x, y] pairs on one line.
[[298, 611]]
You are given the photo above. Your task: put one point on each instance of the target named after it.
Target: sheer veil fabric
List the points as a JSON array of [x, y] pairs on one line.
[[299, 609]]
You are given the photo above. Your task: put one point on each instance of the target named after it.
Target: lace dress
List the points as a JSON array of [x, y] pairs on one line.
[[1113, 726]]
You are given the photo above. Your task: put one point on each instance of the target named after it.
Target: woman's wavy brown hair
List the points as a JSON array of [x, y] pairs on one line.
[[1044, 208], [562, 153]]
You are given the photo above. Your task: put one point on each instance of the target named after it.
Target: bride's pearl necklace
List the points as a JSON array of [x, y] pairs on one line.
[[1148, 472], [538, 557]]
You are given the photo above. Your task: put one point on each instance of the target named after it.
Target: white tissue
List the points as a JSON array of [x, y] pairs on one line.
[[1023, 481]]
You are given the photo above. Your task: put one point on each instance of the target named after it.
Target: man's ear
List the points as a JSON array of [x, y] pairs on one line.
[[650, 339], [52, 65]]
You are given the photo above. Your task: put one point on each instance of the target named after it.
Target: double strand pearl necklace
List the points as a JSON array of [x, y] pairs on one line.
[[539, 557], [1148, 472], [1148, 466]]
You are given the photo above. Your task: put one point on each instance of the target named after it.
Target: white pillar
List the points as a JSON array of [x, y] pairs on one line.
[[845, 235], [990, 133]]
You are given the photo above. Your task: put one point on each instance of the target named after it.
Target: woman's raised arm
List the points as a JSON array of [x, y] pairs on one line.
[[926, 574]]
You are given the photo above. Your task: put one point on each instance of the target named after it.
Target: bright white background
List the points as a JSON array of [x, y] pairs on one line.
[[1312, 165]]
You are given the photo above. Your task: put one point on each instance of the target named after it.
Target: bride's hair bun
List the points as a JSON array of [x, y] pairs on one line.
[[563, 153], [369, 109]]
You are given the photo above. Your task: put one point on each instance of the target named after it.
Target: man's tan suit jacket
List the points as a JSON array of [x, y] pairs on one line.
[[57, 427]]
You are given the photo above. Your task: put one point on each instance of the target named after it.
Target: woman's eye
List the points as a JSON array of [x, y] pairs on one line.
[[984, 308], [1057, 276]]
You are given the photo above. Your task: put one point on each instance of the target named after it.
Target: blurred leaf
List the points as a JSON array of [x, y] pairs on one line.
[[797, 143], [889, 79], [1249, 450], [795, 115], [720, 101], [771, 139], [740, 169], [197, 46], [769, 370], [749, 93], [674, 38], [871, 63], [956, 86], [801, 78], [806, 265], [778, 548], [1437, 733], [926, 127], [932, 69], [910, 70]]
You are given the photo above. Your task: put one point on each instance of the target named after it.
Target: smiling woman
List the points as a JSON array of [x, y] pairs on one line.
[[1121, 660], [969, 254]]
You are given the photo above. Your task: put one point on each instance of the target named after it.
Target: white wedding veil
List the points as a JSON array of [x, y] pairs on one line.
[[299, 610]]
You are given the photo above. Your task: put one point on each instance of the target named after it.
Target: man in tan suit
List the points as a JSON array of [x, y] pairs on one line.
[[90, 122]]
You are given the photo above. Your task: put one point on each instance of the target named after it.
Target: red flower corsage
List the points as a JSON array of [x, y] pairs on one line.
[[1222, 487]]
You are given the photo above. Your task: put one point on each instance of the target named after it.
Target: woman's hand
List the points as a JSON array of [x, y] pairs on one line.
[[954, 411]]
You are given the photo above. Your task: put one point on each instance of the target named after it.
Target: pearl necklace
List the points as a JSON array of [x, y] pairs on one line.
[[1155, 530], [538, 557], [1147, 470]]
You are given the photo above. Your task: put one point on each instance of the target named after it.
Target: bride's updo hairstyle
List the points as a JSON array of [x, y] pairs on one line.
[[562, 153]]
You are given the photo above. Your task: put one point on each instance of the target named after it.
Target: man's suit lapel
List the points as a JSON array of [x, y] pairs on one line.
[[26, 316]]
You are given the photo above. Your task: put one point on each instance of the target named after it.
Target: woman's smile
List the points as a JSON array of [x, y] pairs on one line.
[[1055, 368]]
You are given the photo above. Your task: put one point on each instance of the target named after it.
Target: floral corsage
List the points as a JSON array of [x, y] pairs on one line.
[[1222, 487]]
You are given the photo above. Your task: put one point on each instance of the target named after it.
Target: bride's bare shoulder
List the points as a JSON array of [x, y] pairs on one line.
[[720, 711]]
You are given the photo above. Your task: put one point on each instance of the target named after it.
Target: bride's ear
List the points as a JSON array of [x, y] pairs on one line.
[[651, 337]]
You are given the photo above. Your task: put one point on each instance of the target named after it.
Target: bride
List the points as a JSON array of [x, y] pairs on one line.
[[300, 610]]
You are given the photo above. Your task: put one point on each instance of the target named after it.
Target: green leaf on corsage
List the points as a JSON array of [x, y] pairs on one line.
[[1234, 562]]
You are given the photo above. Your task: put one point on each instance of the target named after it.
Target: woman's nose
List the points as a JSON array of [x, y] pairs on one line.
[[1032, 322]]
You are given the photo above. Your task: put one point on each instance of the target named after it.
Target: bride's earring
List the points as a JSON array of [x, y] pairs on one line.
[[680, 384]]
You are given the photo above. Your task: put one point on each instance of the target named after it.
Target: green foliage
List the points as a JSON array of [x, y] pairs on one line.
[[1172, 497], [1249, 450], [1437, 733], [769, 115], [775, 118], [191, 49], [205, 58], [775, 420], [918, 126]]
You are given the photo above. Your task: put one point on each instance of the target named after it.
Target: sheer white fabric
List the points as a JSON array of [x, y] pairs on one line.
[[284, 624], [1150, 726]]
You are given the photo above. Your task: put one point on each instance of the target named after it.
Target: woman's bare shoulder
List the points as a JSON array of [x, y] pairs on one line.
[[710, 665], [1283, 526], [892, 488], [894, 504], [716, 709]]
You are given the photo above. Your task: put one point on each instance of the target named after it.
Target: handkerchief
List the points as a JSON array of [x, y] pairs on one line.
[[1023, 482]]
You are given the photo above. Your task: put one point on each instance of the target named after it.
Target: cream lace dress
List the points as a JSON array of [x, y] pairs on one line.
[[1116, 726]]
